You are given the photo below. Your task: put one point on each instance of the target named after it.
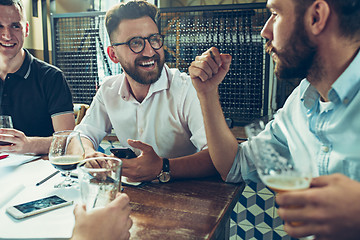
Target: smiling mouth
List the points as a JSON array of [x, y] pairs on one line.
[[8, 44], [147, 63]]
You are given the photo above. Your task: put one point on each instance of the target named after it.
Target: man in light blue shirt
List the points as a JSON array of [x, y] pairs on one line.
[[333, 128], [318, 40]]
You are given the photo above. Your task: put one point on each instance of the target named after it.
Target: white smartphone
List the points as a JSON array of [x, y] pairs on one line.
[[37, 206]]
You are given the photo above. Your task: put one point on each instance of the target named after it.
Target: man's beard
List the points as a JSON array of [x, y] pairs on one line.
[[142, 77], [298, 58]]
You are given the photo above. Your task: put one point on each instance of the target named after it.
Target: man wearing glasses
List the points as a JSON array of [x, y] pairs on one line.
[[153, 109]]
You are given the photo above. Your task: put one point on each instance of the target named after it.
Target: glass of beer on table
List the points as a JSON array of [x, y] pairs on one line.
[[65, 153]]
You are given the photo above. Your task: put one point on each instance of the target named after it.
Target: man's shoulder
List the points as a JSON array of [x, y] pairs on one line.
[[109, 81], [178, 78], [180, 85], [110, 85], [43, 67], [297, 95]]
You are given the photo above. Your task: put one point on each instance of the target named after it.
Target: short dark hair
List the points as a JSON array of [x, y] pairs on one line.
[[12, 3], [348, 12], [130, 10]]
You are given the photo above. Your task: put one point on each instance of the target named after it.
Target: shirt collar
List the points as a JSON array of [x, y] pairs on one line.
[[24, 70], [161, 84], [343, 90], [309, 94], [348, 84]]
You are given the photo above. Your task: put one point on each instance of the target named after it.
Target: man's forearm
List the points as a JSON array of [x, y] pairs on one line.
[[192, 166], [88, 146], [222, 143], [39, 145]]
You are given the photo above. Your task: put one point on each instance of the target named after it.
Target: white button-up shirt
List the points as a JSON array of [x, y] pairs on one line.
[[169, 118], [329, 132]]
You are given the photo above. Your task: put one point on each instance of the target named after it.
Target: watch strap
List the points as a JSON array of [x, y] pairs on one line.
[[164, 175], [166, 165]]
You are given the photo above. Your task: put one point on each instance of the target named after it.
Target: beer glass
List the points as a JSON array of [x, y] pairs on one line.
[[65, 153], [5, 122], [275, 166]]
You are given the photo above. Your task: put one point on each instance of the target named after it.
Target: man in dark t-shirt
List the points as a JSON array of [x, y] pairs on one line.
[[35, 94]]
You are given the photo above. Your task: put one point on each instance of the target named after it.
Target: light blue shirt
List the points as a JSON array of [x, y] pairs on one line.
[[329, 132]]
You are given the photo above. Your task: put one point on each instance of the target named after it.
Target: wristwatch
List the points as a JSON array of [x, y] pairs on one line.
[[164, 175]]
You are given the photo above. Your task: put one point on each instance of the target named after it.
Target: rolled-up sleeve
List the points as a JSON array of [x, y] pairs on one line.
[[243, 168]]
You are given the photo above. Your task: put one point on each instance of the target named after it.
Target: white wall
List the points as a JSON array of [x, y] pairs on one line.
[[67, 6], [35, 38]]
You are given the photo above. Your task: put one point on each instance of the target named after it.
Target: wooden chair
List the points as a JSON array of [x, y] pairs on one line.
[[80, 111]]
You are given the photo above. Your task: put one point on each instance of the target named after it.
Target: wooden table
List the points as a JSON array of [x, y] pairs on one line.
[[183, 209]]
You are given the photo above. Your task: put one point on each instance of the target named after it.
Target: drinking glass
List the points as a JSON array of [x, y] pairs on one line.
[[275, 166], [65, 153], [100, 180], [5, 122]]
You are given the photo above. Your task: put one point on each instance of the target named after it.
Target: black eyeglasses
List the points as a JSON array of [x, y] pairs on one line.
[[137, 44]]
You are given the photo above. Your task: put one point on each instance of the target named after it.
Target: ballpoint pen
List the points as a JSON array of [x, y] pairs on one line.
[[212, 55], [47, 178], [4, 156]]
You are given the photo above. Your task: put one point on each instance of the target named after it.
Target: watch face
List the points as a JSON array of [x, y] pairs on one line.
[[164, 177]]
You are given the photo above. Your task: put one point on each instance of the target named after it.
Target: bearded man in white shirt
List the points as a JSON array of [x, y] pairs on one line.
[[151, 107]]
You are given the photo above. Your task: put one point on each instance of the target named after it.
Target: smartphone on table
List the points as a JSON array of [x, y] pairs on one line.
[[123, 152], [37, 206]]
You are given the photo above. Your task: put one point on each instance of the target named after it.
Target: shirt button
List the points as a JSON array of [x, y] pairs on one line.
[[325, 149], [141, 131], [346, 101]]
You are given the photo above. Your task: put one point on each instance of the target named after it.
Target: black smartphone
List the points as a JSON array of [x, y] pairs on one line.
[[123, 152]]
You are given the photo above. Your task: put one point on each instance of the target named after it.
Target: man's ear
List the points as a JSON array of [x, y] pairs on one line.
[[318, 15], [112, 55]]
